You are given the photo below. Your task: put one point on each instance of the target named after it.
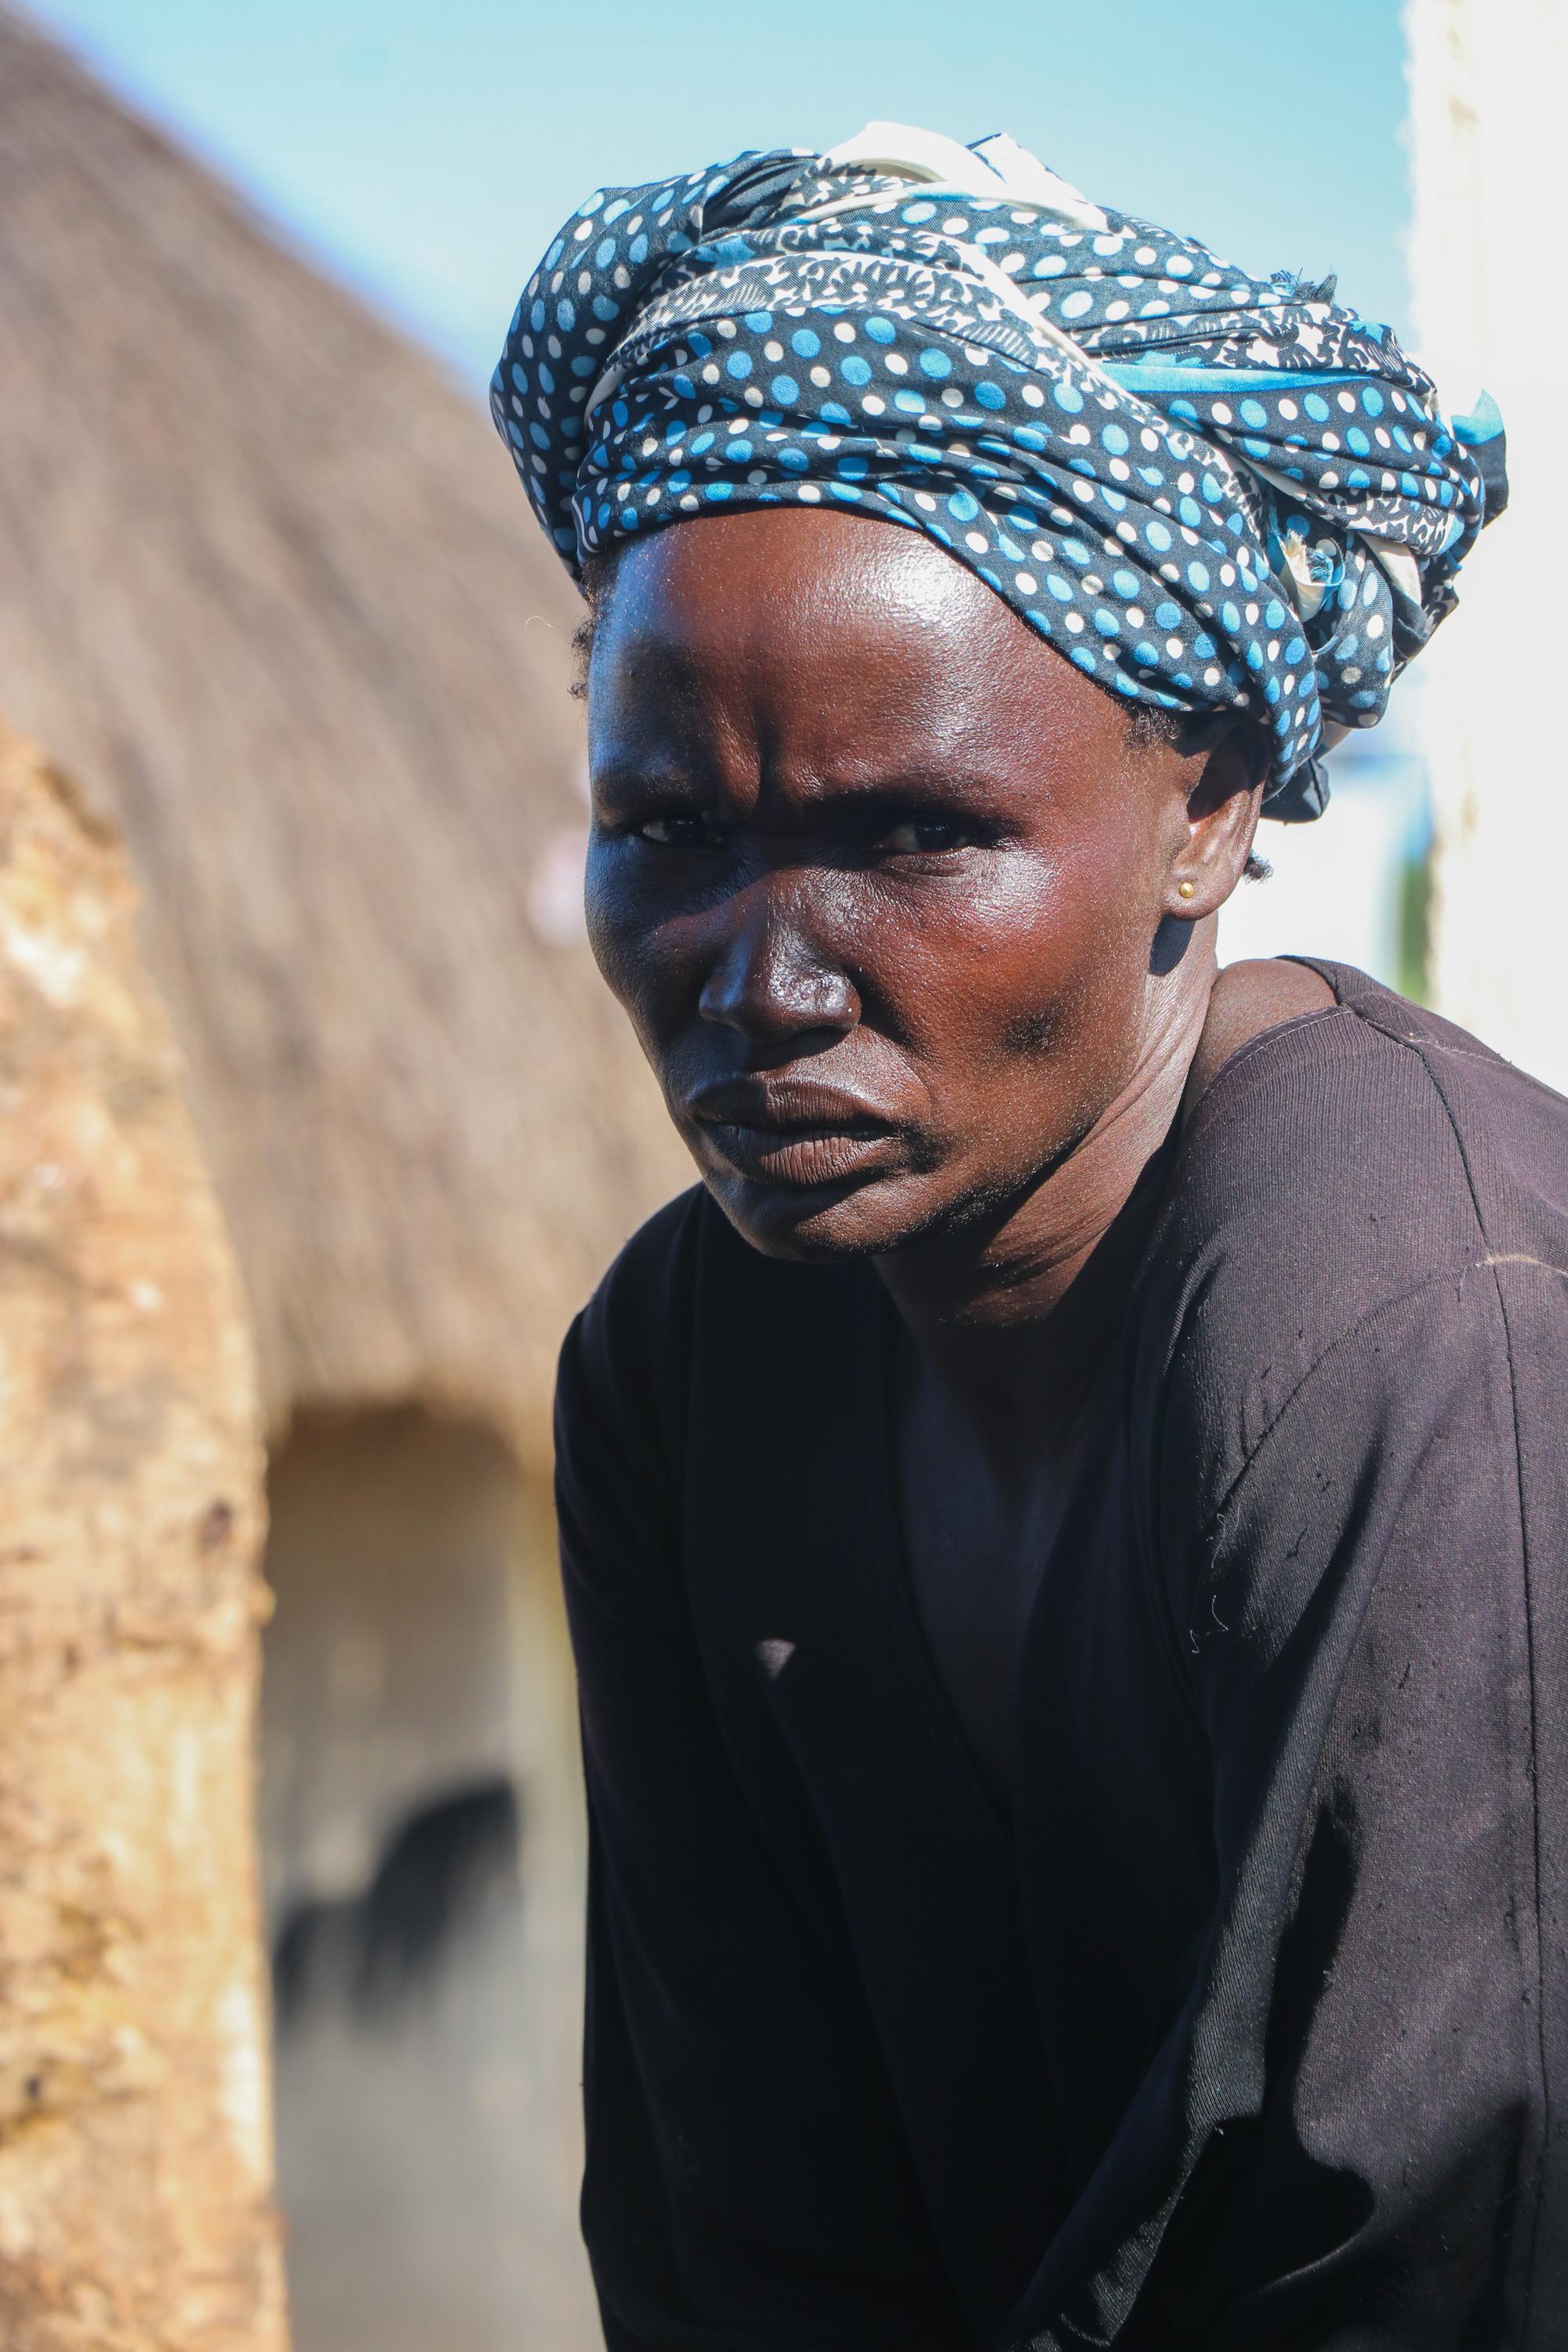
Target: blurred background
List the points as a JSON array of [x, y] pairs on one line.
[[269, 588]]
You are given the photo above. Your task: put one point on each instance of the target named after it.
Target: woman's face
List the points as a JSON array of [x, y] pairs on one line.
[[876, 873]]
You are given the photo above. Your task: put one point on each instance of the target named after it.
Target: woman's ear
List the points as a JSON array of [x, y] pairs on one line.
[[1222, 803]]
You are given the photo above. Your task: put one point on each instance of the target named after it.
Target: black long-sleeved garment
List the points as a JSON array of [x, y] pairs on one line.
[[1248, 2030]]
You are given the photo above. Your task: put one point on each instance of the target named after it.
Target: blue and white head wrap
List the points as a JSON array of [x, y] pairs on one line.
[[1211, 491]]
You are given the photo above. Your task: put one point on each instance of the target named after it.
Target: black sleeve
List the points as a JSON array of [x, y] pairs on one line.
[[1364, 2086], [748, 2187]]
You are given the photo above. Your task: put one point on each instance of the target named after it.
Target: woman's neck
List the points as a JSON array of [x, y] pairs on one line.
[[1016, 1319]]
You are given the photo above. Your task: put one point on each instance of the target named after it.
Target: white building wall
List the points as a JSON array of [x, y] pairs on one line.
[[1488, 258]]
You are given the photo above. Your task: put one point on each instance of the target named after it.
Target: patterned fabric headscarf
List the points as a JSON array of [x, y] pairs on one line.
[[1210, 491]]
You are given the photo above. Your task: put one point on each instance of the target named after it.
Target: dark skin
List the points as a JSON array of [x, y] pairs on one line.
[[897, 906]]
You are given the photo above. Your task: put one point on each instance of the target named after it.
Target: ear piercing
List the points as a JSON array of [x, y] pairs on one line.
[[1185, 889]]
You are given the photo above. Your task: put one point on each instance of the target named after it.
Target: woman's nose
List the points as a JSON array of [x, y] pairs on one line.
[[772, 984]]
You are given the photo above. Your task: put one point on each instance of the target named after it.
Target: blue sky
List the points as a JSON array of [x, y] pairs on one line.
[[427, 149]]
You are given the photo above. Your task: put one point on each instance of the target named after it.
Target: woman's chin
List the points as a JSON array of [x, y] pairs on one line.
[[845, 1216]]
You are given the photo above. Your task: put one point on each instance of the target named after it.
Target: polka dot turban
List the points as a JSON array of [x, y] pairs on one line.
[[1208, 490]]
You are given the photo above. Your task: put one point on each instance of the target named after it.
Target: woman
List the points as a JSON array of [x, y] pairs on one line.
[[1063, 1528]]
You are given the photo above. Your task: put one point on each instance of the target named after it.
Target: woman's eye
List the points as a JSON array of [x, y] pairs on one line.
[[925, 835], [679, 829]]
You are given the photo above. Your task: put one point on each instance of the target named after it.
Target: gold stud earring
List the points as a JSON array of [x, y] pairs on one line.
[[1185, 889]]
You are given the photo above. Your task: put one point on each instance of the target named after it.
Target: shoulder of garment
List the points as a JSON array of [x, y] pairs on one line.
[[1370, 1155]]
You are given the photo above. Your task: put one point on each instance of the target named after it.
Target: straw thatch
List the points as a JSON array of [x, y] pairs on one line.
[[268, 586]]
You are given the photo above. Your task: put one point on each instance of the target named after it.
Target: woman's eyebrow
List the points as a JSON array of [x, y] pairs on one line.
[[913, 783], [625, 780], [804, 800]]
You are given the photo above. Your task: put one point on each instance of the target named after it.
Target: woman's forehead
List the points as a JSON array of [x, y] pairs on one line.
[[791, 565], [832, 652], [824, 613]]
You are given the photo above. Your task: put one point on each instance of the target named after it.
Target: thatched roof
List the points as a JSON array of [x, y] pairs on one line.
[[269, 588]]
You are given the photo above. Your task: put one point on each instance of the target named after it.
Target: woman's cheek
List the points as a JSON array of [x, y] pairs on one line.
[[623, 919], [1006, 946], [609, 934], [1038, 989]]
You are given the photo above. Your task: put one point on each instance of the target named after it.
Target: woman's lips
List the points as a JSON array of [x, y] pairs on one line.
[[793, 1134], [800, 1156]]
